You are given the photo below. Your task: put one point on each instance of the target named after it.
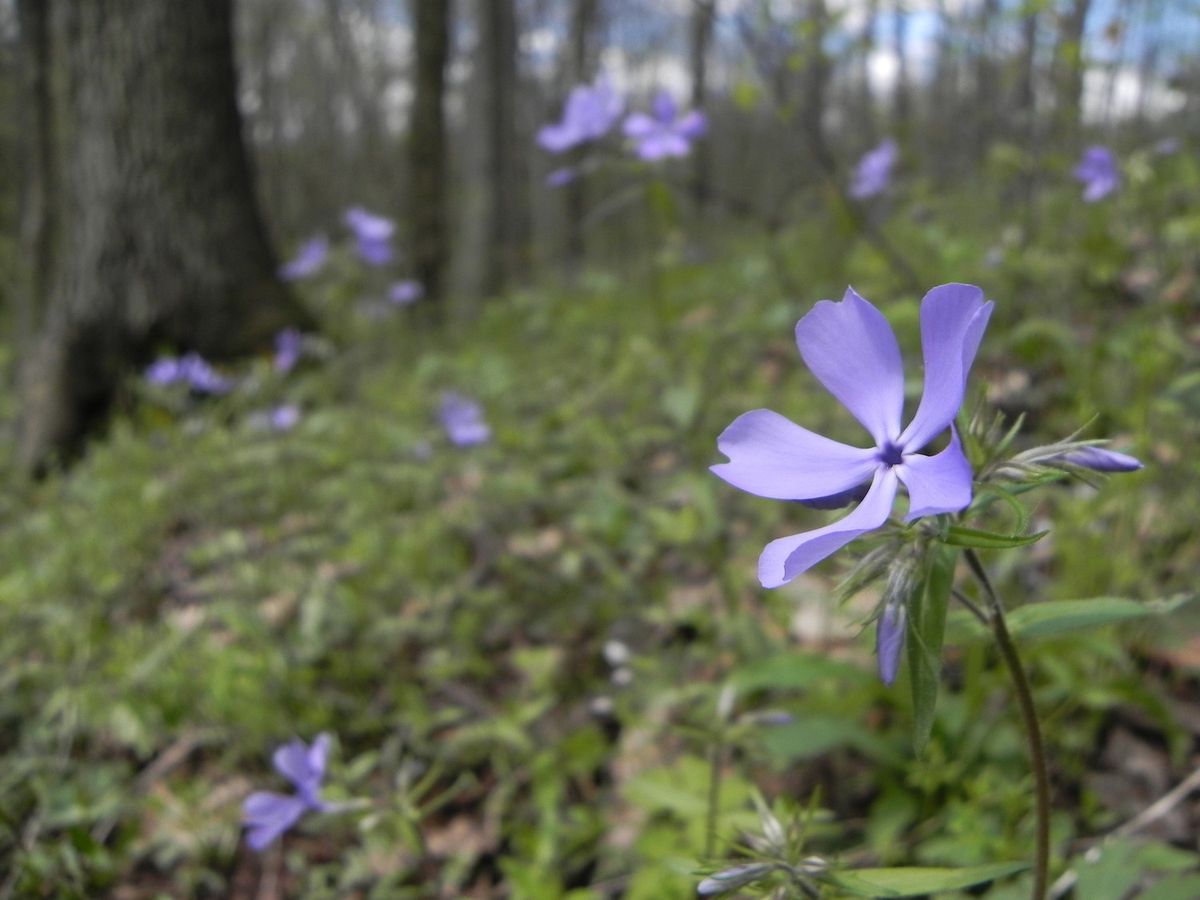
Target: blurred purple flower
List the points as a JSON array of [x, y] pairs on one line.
[[463, 420], [268, 814], [1167, 146], [664, 133], [192, 369], [1098, 172], [589, 114], [308, 260], [874, 171], [285, 417], [562, 176], [289, 347], [1099, 460], [406, 292], [372, 235], [851, 349]]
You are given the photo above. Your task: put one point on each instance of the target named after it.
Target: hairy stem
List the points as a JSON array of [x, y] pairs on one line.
[[1033, 731]]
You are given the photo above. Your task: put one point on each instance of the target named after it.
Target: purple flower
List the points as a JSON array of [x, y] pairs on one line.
[[1099, 460], [192, 369], [562, 176], [268, 814], [874, 171], [372, 235], [285, 417], [1098, 172], [201, 377], [1167, 146], [163, 371], [289, 347], [308, 260], [588, 115], [463, 420], [851, 349], [406, 292], [664, 133]]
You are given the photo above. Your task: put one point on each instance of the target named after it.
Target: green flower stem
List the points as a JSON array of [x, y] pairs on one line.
[[716, 758], [1033, 732]]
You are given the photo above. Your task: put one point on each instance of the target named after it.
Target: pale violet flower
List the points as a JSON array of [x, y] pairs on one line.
[[589, 114], [463, 420], [1098, 459], [874, 171], [267, 814], [372, 235], [406, 292], [664, 133], [289, 347], [192, 370], [308, 260], [852, 351], [1098, 172]]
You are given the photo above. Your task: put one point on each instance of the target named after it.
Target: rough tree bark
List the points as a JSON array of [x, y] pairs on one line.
[[150, 234], [427, 149]]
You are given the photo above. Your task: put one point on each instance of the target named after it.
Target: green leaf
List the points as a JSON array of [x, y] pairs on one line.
[[1056, 617], [958, 536], [795, 671], [927, 629], [912, 882]]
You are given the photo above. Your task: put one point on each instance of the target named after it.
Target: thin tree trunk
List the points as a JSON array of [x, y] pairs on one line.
[[427, 148], [986, 94], [1069, 61], [506, 210], [156, 238], [866, 97], [816, 76], [704, 16], [583, 24], [901, 103]]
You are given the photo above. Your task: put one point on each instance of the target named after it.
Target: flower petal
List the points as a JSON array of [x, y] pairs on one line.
[[953, 318], [771, 456], [293, 762], [639, 125], [693, 125], [937, 484], [850, 347], [785, 558], [1099, 460], [268, 815]]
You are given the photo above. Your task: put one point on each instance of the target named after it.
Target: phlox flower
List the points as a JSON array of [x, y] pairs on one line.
[[268, 814], [463, 420], [1098, 172], [289, 347], [1099, 459], [589, 114], [308, 259], [372, 235], [664, 133], [874, 171], [852, 351], [406, 292], [192, 370]]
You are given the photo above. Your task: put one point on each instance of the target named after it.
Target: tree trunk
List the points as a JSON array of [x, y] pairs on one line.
[[156, 237], [580, 63], [704, 15], [901, 110], [1069, 61], [427, 147], [506, 210]]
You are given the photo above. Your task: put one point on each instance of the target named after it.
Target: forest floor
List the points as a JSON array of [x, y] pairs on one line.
[[533, 654]]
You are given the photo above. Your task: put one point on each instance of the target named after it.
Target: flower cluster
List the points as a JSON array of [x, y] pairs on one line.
[[192, 370]]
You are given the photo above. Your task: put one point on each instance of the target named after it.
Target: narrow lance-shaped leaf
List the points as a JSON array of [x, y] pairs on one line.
[[927, 628]]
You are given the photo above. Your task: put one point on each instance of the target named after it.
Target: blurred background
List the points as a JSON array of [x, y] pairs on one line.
[[365, 361]]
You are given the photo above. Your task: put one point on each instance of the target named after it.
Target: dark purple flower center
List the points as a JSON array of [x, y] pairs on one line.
[[890, 454]]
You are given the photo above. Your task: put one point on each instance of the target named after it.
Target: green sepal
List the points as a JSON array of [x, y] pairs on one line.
[[958, 536]]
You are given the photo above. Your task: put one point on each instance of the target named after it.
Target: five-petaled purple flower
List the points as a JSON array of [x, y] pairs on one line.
[[289, 347], [463, 420], [406, 292], [268, 814], [851, 349], [664, 133], [1098, 172], [372, 235], [589, 114], [308, 260], [874, 171]]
